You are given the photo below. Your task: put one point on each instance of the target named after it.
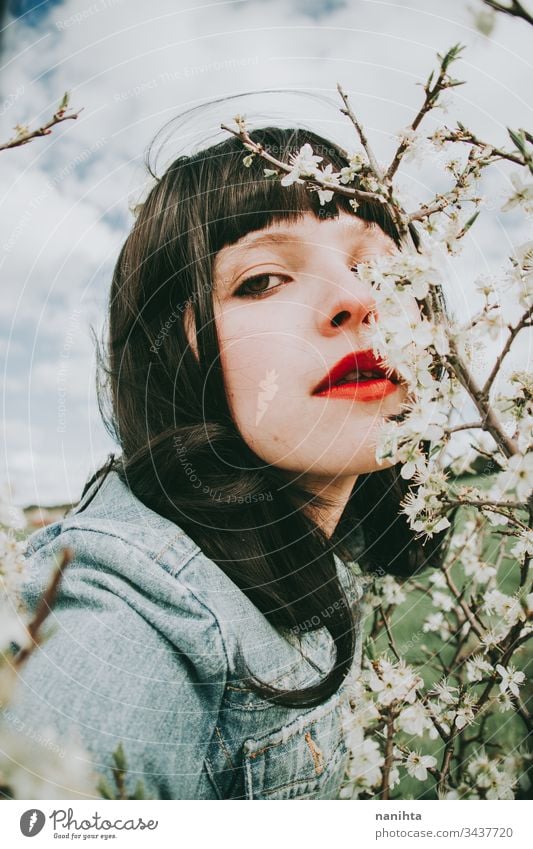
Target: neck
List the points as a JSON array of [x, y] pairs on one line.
[[338, 491]]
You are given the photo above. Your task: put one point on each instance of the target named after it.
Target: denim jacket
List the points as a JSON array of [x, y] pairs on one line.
[[144, 650]]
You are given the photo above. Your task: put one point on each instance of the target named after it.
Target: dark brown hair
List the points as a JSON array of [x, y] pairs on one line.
[[181, 452]]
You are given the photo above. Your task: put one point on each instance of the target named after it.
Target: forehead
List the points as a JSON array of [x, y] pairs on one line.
[[307, 230]]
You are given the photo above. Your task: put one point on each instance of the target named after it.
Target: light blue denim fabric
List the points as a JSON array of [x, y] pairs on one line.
[[144, 651]]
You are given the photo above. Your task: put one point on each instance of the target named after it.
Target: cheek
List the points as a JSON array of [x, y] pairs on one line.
[[252, 361]]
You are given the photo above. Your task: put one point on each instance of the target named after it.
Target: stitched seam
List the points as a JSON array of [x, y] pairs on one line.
[[275, 681], [260, 751], [298, 782], [144, 553], [210, 772], [297, 729], [318, 757], [223, 746], [168, 545]]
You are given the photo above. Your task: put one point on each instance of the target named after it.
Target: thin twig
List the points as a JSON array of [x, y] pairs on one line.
[[516, 10], [392, 644], [478, 629], [524, 322], [490, 422], [461, 134], [389, 750], [459, 502], [431, 96], [466, 426], [26, 135], [448, 198], [446, 762], [316, 180], [361, 133], [44, 607]]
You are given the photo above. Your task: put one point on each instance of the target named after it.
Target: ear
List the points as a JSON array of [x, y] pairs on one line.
[[190, 328]]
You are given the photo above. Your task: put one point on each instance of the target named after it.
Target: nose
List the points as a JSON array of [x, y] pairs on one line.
[[349, 303]]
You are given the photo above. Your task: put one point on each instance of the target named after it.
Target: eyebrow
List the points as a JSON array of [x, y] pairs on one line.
[[287, 238], [277, 238], [267, 238]]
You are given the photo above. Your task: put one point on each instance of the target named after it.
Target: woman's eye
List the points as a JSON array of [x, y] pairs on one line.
[[258, 285]]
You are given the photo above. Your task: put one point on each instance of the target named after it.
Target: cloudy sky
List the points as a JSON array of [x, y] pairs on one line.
[[131, 67]]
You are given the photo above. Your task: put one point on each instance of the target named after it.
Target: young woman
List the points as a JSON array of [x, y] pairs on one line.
[[210, 619]]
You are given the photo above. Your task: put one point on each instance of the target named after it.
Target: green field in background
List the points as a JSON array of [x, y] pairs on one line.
[[507, 729]]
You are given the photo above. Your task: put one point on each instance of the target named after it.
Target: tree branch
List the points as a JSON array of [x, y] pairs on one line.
[[513, 333], [258, 149], [361, 133], [516, 10], [25, 135]]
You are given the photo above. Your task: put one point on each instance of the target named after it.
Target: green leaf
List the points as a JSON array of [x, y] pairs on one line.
[[64, 102], [370, 648], [470, 221], [451, 56], [120, 758], [139, 791], [104, 789], [519, 139]]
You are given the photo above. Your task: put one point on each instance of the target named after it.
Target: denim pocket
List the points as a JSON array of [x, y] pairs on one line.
[[304, 759]]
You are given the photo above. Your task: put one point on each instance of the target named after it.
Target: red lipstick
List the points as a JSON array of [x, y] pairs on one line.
[[359, 376]]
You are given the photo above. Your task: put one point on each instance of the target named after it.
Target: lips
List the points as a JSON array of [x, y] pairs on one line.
[[359, 362]]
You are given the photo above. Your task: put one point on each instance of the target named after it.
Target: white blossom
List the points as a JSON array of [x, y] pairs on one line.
[[463, 715], [445, 692], [435, 623], [414, 720], [482, 770], [443, 601], [477, 667], [394, 777], [420, 149], [511, 678], [365, 764], [522, 195], [502, 787], [51, 768], [349, 172], [524, 544], [393, 682], [417, 765], [479, 570], [517, 477], [507, 607], [492, 637], [10, 515], [438, 580], [391, 590], [12, 563], [303, 164], [505, 702]]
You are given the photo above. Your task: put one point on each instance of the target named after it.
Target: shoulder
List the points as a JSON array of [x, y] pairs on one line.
[[131, 563]]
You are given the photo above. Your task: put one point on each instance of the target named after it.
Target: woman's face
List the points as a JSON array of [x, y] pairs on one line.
[[281, 333]]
